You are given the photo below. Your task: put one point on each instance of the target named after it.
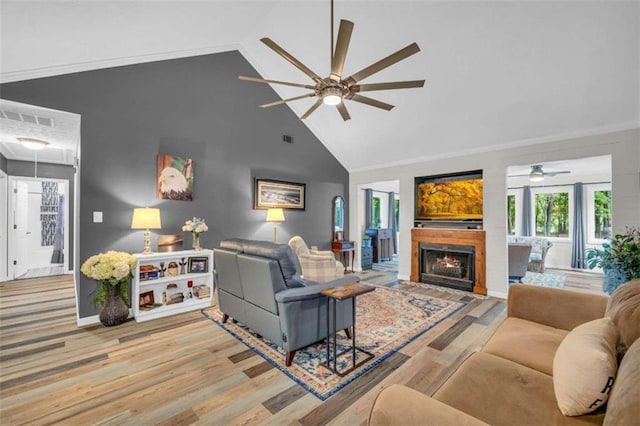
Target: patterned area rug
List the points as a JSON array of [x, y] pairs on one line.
[[547, 279], [387, 320]]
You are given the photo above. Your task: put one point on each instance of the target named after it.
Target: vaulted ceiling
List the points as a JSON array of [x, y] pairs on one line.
[[498, 73]]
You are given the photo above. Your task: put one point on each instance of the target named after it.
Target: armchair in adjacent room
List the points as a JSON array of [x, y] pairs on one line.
[[316, 265], [518, 260]]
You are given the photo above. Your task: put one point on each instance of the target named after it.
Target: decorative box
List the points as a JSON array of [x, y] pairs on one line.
[[148, 272]]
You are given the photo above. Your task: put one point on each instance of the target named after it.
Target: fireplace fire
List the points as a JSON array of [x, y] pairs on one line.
[[447, 265]]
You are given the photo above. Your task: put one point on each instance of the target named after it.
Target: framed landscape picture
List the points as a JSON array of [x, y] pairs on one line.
[[275, 193]]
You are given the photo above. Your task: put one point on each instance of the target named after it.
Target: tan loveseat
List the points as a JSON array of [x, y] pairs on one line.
[[510, 381]]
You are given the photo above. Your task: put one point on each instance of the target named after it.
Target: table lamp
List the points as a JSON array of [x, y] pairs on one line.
[[146, 218], [275, 215]]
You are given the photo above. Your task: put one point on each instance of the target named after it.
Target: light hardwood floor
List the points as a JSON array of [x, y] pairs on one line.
[[185, 370]]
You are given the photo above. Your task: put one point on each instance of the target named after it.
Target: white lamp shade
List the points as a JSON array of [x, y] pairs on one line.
[[275, 214], [146, 218]]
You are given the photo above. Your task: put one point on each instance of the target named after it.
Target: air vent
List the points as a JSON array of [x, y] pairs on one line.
[[27, 118]]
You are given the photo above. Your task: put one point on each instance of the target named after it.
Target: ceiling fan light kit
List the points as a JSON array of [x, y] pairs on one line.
[[333, 90], [537, 174], [33, 144]]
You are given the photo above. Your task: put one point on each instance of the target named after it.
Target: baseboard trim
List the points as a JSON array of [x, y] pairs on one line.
[[498, 294]]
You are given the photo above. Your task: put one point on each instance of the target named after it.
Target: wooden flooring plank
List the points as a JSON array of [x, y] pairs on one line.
[[333, 406], [183, 369], [284, 399], [451, 333]]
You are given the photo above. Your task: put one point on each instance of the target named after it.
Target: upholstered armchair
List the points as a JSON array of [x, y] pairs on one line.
[[315, 265], [518, 260], [539, 249]]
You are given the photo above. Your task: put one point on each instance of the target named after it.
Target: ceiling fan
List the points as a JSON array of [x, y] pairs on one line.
[[537, 174], [334, 89]]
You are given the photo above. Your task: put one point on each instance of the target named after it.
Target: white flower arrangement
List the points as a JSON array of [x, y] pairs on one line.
[[112, 268], [195, 226]]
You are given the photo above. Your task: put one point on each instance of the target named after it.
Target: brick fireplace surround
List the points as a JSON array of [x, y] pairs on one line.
[[463, 237]]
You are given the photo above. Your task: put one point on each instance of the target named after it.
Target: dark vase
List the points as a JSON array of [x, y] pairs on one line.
[[115, 311]]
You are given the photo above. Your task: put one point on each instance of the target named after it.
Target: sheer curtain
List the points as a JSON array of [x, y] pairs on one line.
[[526, 211], [368, 208], [58, 238], [392, 221], [578, 246]]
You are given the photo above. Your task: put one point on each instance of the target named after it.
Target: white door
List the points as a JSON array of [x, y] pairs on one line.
[[21, 232], [4, 213]]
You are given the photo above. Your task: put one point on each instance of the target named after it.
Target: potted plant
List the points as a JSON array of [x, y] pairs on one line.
[[112, 270], [619, 259]]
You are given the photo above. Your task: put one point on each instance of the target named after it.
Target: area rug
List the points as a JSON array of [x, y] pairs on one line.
[[387, 320], [547, 279]]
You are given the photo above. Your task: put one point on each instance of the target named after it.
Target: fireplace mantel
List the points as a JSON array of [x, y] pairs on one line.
[[468, 237]]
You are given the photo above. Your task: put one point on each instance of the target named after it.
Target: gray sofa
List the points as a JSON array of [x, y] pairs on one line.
[[258, 286]]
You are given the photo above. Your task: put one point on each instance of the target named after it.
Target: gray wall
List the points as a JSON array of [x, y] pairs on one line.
[[51, 171], [193, 107]]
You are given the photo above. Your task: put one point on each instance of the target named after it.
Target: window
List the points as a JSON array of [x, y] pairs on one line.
[[602, 214], [598, 207], [511, 214], [376, 212], [552, 214]]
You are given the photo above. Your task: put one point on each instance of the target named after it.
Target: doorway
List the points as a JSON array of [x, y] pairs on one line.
[[384, 226], [38, 227]]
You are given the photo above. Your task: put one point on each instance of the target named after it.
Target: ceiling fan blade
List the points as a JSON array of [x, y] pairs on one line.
[[280, 51], [384, 63], [387, 86], [519, 175], [342, 45], [262, 80], [372, 102], [310, 110], [308, 95], [343, 111], [556, 173]]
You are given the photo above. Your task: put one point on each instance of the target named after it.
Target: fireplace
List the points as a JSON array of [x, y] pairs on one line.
[[454, 239], [447, 265]]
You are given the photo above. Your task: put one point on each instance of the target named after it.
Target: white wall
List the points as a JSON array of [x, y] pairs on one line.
[[623, 146]]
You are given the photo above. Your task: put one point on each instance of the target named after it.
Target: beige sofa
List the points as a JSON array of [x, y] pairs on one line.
[[511, 380]]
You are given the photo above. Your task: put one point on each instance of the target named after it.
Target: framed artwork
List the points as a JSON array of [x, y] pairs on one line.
[[198, 264], [146, 299], [175, 178], [275, 193]]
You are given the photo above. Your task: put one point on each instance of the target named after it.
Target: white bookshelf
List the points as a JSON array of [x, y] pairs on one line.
[[159, 285]]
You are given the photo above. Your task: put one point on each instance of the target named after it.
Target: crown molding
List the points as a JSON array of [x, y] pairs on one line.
[[630, 125], [54, 70]]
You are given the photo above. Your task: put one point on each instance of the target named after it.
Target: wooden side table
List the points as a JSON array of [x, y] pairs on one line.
[[342, 249], [344, 292]]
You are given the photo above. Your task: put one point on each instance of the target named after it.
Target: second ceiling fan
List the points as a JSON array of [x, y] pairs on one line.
[[334, 89]]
